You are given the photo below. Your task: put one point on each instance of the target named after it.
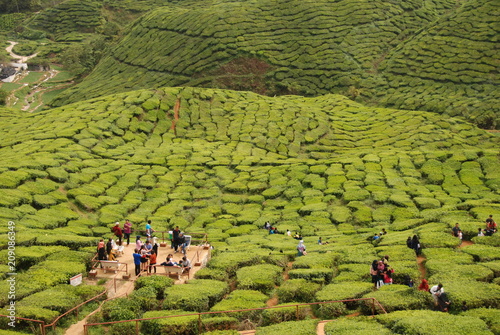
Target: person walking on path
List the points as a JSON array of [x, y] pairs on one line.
[[415, 245]]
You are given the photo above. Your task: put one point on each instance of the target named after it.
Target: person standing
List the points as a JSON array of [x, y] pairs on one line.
[[138, 242], [415, 245], [101, 251], [460, 236], [118, 232], [149, 229], [137, 261], [109, 246], [152, 261], [175, 237], [127, 230]]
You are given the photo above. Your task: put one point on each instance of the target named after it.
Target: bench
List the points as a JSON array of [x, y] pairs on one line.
[[175, 270], [110, 265]]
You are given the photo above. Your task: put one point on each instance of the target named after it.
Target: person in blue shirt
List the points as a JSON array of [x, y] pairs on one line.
[[376, 237], [149, 229], [137, 261]]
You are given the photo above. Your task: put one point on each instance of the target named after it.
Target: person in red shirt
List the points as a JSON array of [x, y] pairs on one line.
[[152, 261], [491, 226], [118, 232]]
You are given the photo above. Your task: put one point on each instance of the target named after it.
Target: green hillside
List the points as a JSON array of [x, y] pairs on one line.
[[431, 55], [224, 162]]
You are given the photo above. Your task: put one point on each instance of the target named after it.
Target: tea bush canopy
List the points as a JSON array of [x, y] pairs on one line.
[[337, 170], [438, 58]]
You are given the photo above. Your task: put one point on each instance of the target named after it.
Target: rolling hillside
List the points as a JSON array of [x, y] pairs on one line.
[[224, 162], [437, 56]]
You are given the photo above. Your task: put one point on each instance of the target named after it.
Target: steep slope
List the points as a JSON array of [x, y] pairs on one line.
[[308, 48], [451, 67]]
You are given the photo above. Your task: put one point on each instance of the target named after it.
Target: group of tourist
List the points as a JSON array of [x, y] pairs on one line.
[[379, 235], [491, 228], [381, 272]]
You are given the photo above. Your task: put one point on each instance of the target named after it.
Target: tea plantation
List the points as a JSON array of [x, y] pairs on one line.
[[434, 55], [224, 162]]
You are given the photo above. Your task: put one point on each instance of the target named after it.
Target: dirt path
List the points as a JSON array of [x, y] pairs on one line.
[[119, 287], [19, 58], [421, 266], [465, 243]]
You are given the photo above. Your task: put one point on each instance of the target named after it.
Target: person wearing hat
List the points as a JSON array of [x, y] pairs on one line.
[[301, 248], [118, 232]]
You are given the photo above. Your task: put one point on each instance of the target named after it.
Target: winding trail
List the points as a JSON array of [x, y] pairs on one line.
[[20, 59], [33, 99]]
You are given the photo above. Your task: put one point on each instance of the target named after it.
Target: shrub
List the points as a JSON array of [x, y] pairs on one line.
[[59, 298], [158, 283], [352, 272], [231, 261], [282, 314], [316, 260], [488, 315], [398, 297], [481, 252], [297, 290], [242, 299], [182, 325], [207, 273], [425, 322], [146, 298], [322, 276], [262, 277], [477, 294], [197, 295], [443, 268], [214, 323], [493, 240], [358, 326], [343, 291], [120, 309]]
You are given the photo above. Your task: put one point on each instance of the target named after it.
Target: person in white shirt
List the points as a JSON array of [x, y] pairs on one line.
[[436, 291]]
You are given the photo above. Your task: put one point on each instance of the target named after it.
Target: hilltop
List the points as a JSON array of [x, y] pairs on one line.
[[439, 56]]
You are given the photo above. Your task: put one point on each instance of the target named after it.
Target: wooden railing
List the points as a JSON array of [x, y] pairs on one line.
[[88, 325]]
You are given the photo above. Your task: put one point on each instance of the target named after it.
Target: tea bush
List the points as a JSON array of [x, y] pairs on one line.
[[262, 277], [297, 290], [182, 325], [304, 327], [198, 295], [429, 322], [345, 326], [242, 299]]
